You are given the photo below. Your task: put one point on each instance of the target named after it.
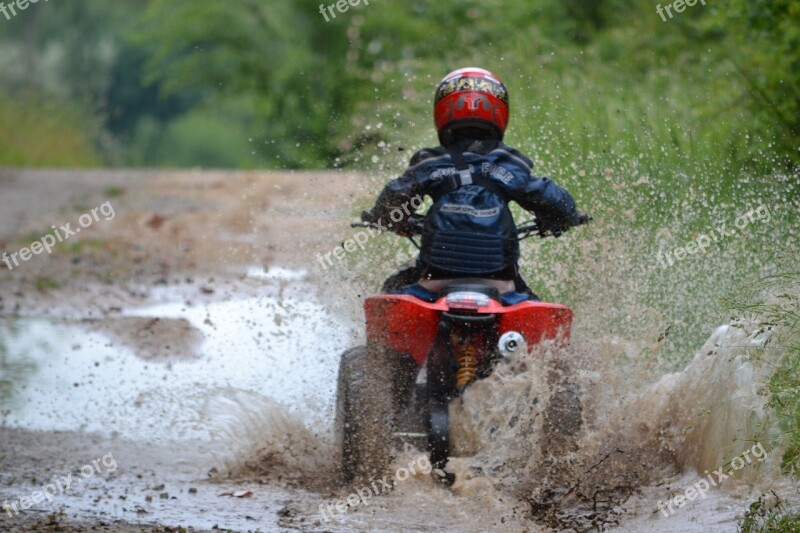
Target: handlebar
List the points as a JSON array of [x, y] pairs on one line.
[[528, 229], [416, 222], [525, 230]]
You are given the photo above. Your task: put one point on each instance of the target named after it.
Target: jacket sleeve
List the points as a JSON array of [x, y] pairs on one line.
[[398, 193], [553, 206]]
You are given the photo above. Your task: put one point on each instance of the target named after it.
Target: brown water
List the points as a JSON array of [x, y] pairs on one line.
[[560, 439]]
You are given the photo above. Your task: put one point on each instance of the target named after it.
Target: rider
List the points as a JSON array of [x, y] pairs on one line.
[[469, 233]]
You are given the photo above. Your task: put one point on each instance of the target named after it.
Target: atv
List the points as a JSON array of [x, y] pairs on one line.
[[418, 357]]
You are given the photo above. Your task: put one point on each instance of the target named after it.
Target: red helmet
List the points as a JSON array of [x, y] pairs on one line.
[[470, 97]]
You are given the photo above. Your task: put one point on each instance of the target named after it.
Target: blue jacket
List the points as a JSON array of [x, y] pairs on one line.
[[469, 230]]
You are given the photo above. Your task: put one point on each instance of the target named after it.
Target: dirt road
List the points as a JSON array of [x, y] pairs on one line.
[[172, 364], [200, 237]]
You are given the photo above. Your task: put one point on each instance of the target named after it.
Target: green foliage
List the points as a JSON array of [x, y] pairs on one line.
[[39, 134], [714, 87], [774, 301], [129, 99], [199, 138], [762, 517], [765, 49], [272, 54], [64, 49]]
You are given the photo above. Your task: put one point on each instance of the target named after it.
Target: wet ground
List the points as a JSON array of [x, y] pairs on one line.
[[176, 368], [232, 431]]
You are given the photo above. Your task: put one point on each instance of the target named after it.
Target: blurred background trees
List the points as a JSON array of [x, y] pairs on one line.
[[251, 83]]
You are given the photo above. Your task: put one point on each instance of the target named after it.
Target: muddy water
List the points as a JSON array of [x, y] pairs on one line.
[[236, 432], [268, 346]]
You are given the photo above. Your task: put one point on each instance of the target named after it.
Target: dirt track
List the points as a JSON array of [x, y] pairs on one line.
[[167, 226], [164, 312], [197, 232]]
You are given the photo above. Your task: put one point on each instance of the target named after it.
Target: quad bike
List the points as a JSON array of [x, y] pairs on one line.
[[418, 357]]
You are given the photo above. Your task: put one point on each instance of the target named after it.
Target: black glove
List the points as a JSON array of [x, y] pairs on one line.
[[369, 218], [414, 225], [553, 230], [584, 218], [557, 230]]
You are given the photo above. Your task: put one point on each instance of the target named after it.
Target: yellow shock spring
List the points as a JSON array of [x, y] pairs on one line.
[[467, 365]]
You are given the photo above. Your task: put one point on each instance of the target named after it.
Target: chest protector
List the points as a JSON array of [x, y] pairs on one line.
[[469, 231]]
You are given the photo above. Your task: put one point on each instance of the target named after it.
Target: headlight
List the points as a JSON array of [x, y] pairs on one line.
[[467, 300]]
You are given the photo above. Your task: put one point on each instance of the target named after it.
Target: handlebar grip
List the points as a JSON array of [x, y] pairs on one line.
[[528, 228]]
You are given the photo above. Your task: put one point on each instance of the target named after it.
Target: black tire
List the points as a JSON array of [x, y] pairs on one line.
[[365, 413], [563, 419]]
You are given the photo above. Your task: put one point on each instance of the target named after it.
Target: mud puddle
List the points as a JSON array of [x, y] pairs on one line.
[[64, 376], [228, 423], [254, 367]]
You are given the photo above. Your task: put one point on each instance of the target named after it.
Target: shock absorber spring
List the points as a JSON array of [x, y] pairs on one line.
[[467, 355]]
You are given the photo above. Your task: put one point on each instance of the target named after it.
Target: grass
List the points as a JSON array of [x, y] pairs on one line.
[[114, 192], [766, 517], [76, 247], [46, 284], [41, 134], [657, 159], [775, 302]]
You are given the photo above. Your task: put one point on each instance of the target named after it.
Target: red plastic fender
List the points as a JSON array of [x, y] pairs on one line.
[[406, 324], [537, 321], [402, 323]]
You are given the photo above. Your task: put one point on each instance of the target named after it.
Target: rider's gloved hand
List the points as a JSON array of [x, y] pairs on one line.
[[406, 227], [551, 231], [368, 217], [548, 228], [376, 222], [410, 226]]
